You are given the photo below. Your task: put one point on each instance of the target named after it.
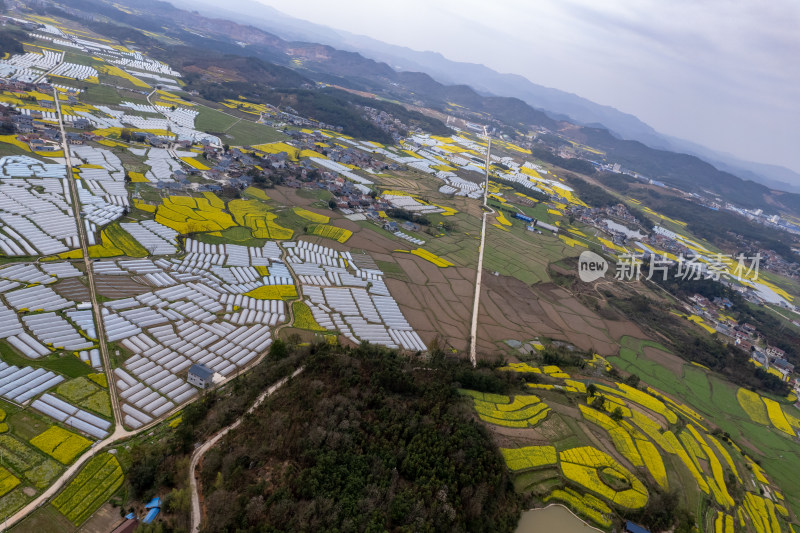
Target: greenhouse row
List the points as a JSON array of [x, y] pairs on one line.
[[51, 329], [32, 274], [84, 318], [21, 384], [74, 71], [91, 357], [37, 297], [27, 345], [409, 238], [72, 416], [155, 240]]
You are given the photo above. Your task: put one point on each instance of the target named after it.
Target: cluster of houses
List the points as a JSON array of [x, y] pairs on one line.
[[743, 335], [32, 127], [385, 121]]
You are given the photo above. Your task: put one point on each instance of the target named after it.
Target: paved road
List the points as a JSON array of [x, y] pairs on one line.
[[197, 456], [473, 335], [44, 76], [98, 317]]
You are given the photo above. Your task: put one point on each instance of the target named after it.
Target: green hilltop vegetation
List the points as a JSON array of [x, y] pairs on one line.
[[362, 439]]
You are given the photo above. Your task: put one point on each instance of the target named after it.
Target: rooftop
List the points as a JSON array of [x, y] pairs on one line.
[[201, 371]]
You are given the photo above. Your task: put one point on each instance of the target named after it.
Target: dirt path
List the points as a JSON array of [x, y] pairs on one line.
[[197, 456], [473, 335]]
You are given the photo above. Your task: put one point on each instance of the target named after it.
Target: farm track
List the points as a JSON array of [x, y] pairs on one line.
[[98, 317], [473, 335], [199, 453]]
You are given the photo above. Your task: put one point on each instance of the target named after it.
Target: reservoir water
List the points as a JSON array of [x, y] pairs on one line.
[[552, 518]]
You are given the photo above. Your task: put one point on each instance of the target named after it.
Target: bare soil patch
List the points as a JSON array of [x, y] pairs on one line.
[[119, 287], [72, 289]]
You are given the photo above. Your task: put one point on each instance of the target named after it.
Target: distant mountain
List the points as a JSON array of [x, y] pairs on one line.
[[773, 176], [324, 63], [559, 105]]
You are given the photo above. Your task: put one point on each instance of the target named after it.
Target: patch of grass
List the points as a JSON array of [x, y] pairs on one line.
[[66, 364], [86, 394], [527, 481], [27, 424], [101, 95], [392, 269], [317, 194], [9, 149], [245, 132], [45, 518], [12, 501], [42, 474], [212, 120]]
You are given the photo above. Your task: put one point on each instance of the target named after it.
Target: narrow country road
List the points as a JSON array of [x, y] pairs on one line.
[[473, 335], [98, 316], [197, 456]]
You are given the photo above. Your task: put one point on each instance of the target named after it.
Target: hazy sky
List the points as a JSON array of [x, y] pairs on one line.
[[723, 73]]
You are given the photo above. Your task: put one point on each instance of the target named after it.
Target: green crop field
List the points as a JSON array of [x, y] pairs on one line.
[[716, 398], [66, 364], [95, 483]]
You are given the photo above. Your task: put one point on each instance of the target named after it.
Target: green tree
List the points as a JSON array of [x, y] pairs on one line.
[[278, 350]]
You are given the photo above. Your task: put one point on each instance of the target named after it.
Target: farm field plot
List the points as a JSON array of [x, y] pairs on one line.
[[329, 232], [27, 463], [95, 483], [522, 412], [304, 319], [61, 444], [353, 300], [635, 451], [86, 394], [7, 481]]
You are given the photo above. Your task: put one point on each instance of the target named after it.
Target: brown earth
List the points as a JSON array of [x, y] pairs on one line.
[[669, 360], [119, 287], [72, 289]]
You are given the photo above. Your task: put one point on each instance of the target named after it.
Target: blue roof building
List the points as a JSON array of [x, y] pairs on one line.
[[631, 527], [151, 515], [200, 376]]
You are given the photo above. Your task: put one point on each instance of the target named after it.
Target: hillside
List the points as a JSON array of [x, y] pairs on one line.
[[361, 440], [271, 303]]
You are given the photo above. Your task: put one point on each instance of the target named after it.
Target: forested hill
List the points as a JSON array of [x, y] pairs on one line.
[[687, 172], [361, 440]]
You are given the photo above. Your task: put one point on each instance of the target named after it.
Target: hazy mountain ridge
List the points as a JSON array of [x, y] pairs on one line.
[[325, 63], [559, 105]]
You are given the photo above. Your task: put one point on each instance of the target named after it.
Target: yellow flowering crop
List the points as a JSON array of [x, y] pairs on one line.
[[329, 232], [529, 457], [7, 481], [777, 417], [311, 216], [582, 466], [61, 444]]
